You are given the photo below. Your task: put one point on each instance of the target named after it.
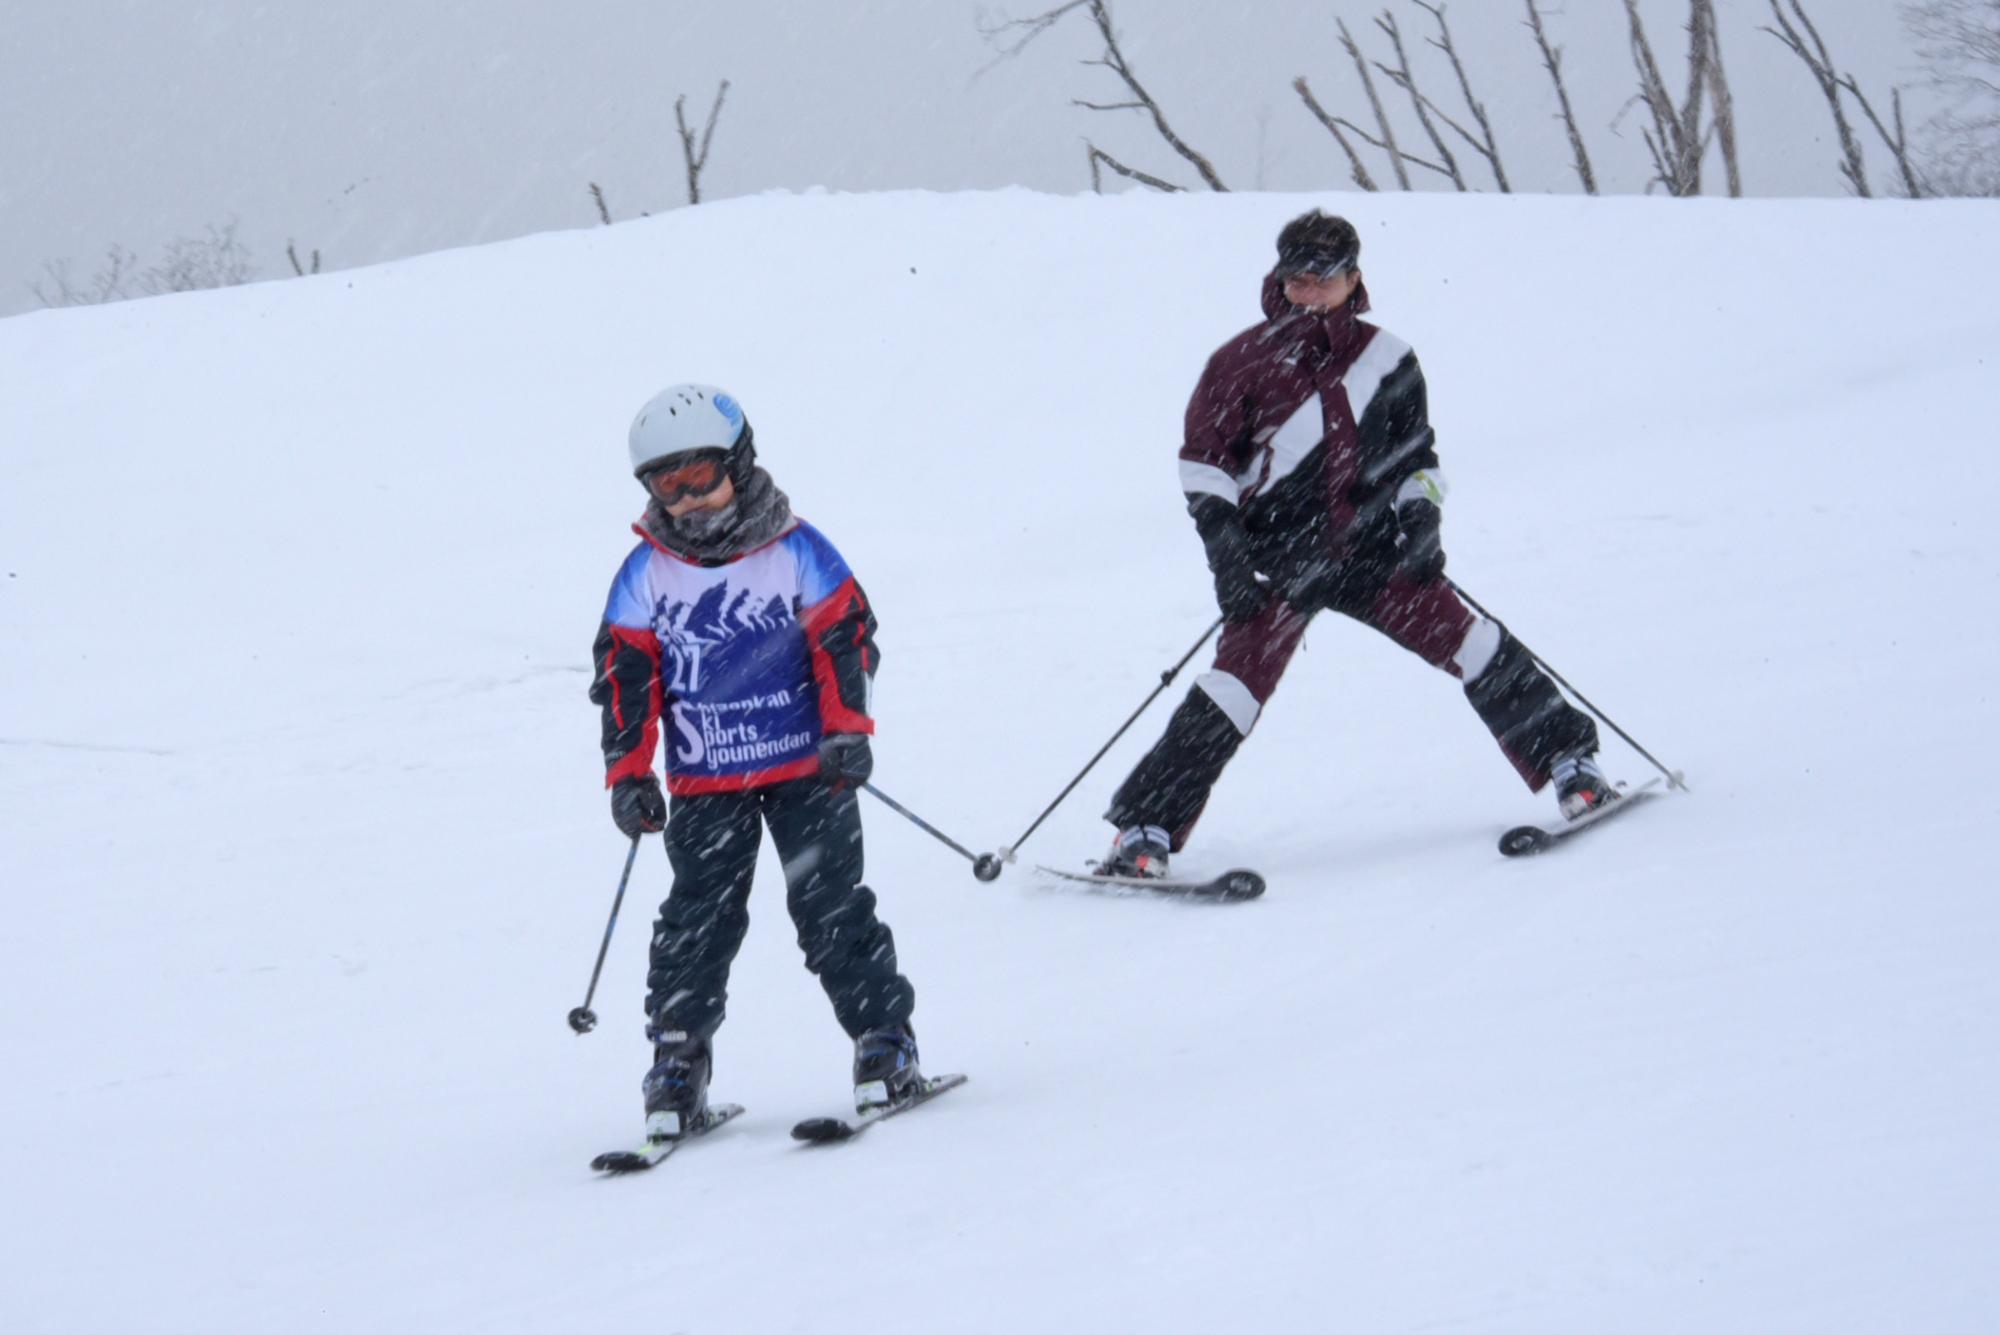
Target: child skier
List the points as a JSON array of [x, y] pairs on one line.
[[742, 629]]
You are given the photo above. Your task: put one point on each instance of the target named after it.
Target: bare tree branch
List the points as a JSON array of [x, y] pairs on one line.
[[1100, 11], [1388, 140], [1677, 141], [696, 160], [1725, 105], [1098, 155], [1552, 58], [1652, 88], [1820, 63], [1373, 142], [1113, 59], [603, 209], [1899, 142], [292, 254], [1662, 170], [1403, 78], [1031, 29], [1692, 140], [1359, 172], [1489, 149], [1959, 44], [1432, 108]]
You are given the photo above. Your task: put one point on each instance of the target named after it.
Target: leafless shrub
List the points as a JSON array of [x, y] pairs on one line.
[[1959, 40], [111, 282], [189, 264], [197, 263], [694, 160], [1113, 59], [603, 209], [292, 254]]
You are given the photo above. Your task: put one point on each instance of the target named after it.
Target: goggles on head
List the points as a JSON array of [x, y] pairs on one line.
[[692, 475]]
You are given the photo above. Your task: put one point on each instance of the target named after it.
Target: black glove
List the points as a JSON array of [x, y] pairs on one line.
[[1238, 592], [637, 807], [1306, 588], [1420, 549], [845, 760]]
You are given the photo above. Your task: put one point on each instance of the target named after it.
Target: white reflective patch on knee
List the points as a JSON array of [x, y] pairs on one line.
[[804, 865], [1476, 650], [1207, 480], [1232, 697]]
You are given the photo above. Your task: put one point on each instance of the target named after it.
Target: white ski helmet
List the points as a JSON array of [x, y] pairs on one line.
[[682, 418]]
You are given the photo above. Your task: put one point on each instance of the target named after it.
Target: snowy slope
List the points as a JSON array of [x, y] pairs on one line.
[[307, 856]]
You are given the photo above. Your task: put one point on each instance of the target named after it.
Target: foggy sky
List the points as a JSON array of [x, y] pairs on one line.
[[374, 129]]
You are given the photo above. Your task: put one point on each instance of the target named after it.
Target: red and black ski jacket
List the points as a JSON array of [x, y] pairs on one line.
[[1313, 428]]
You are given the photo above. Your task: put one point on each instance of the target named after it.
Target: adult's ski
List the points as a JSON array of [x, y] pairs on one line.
[[1523, 840], [826, 1130], [1230, 886], [651, 1152]]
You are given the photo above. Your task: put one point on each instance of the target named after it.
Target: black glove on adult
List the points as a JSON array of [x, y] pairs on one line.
[[845, 760], [1306, 587], [637, 807], [1420, 549], [1238, 593]]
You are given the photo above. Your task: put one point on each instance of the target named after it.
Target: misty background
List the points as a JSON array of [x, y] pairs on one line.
[[375, 129]]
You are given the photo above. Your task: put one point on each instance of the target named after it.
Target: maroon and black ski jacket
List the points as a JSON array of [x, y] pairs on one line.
[[1310, 429]]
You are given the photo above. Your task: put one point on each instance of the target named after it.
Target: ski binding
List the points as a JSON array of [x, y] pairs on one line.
[[1228, 887], [651, 1151], [1523, 840], [828, 1130]]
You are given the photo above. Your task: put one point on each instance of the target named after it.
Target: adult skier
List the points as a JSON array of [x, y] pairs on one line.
[[1311, 472], [740, 628]]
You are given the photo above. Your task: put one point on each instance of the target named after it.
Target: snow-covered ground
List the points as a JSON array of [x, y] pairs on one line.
[[306, 853]]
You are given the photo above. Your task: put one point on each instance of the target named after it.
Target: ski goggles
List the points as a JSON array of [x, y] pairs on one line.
[[695, 475], [1310, 263]]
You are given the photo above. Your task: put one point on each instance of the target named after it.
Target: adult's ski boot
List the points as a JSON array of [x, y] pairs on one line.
[[1581, 786], [1139, 850]]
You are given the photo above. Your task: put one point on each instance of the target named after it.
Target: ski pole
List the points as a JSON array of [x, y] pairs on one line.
[[984, 865], [1007, 851], [583, 1019], [1674, 779]]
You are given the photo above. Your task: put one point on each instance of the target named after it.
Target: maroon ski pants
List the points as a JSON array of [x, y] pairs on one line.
[[1534, 725]]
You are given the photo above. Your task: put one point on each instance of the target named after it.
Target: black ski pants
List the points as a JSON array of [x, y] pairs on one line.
[[712, 840]]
